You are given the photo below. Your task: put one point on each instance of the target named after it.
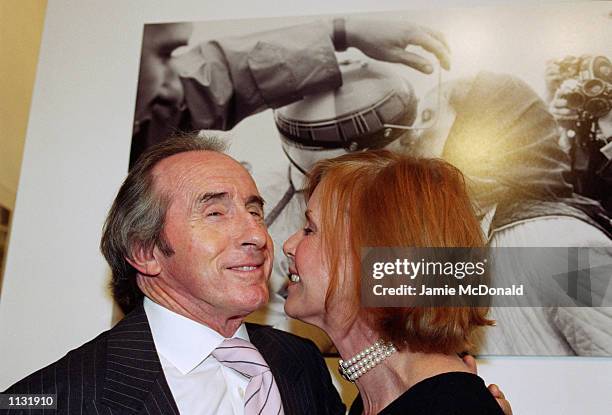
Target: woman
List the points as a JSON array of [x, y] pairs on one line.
[[378, 198]]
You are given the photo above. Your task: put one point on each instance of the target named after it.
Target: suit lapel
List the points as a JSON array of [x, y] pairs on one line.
[[134, 381], [283, 365]]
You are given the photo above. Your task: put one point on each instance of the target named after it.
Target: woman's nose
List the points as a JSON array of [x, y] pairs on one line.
[[290, 244]]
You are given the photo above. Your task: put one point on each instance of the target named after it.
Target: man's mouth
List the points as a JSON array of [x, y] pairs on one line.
[[246, 267]]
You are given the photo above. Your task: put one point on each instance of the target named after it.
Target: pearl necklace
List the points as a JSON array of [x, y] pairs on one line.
[[365, 360]]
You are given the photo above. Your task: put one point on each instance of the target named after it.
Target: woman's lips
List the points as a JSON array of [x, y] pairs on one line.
[[293, 275]]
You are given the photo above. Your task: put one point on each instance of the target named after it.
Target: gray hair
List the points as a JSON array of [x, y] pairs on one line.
[[137, 216]]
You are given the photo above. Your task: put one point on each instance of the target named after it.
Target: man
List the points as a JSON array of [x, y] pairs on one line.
[[577, 89], [218, 83], [186, 230]]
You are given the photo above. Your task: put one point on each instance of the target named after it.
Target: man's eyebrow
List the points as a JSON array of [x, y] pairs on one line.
[[207, 197], [258, 200]]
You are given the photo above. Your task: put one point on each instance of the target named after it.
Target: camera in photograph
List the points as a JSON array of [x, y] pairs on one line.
[[590, 91]]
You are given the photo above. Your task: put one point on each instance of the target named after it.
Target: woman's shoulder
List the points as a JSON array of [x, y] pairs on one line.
[[447, 393]]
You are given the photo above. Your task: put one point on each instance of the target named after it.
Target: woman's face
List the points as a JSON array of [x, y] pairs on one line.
[[308, 264]]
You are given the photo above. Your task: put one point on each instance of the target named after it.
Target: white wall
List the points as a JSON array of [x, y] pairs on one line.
[[76, 155], [20, 34]]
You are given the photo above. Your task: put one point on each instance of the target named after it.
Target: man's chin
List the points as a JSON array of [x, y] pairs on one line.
[[256, 301]]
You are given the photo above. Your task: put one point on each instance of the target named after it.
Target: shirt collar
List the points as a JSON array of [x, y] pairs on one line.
[[185, 343], [486, 220]]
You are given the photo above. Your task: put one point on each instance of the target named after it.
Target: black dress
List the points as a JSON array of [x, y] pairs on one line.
[[454, 393]]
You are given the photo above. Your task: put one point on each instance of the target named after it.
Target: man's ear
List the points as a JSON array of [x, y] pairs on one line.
[[144, 260]]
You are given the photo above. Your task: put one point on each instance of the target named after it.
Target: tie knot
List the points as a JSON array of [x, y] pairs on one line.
[[241, 356]]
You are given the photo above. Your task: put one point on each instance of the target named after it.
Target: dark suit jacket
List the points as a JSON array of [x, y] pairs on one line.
[[119, 372]]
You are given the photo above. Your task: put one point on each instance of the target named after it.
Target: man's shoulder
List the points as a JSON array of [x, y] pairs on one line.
[[80, 362], [272, 335], [84, 363], [284, 345]]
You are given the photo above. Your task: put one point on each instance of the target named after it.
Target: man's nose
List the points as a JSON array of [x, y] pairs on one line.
[[254, 233]]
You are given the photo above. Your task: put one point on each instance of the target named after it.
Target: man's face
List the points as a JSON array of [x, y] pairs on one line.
[[159, 87], [223, 252]]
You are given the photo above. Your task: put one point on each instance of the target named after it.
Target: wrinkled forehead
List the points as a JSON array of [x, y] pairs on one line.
[[201, 171]]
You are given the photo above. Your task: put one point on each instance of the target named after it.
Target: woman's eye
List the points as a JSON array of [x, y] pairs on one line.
[[214, 213], [307, 231]]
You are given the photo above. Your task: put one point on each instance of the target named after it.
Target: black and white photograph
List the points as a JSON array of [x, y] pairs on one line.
[[525, 115]]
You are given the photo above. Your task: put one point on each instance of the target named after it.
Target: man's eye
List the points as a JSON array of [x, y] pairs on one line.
[[256, 213], [214, 213]]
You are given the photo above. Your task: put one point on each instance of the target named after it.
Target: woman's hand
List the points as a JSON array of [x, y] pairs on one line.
[[500, 398], [497, 393]]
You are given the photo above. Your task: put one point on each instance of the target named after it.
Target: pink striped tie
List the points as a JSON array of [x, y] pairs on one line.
[[262, 396]]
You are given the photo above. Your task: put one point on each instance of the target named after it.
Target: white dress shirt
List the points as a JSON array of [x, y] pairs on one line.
[[199, 384]]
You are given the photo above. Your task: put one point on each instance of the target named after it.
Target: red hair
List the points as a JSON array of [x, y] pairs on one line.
[[383, 199]]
